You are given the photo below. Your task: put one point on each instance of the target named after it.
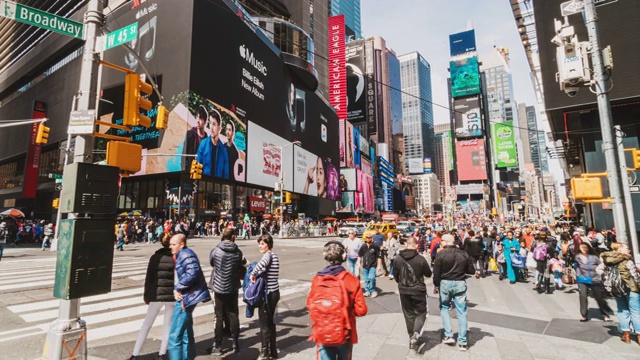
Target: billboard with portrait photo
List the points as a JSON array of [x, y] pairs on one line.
[[465, 77], [314, 175], [349, 144], [348, 180], [467, 117]]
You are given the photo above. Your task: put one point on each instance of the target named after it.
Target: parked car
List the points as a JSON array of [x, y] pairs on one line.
[[384, 229], [402, 225], [409, 231], [357, 227]]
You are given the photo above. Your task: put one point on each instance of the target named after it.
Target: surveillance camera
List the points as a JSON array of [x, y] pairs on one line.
[[557, 40], [571, 91]]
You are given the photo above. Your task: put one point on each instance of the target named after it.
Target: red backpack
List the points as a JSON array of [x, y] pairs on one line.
[[328, 309]]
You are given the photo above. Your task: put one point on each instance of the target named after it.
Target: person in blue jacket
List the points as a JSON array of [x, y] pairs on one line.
[[212, 153], [190, 289], [510, 246]]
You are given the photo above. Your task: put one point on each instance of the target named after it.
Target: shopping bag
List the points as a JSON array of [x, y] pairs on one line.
[[493, 265]]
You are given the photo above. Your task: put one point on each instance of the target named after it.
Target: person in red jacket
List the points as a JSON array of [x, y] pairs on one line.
[[341, 348]]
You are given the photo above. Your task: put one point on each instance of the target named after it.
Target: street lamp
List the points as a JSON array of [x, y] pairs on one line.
[[282, 184]]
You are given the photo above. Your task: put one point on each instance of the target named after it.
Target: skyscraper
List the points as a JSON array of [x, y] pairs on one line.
[[496, 68], [417, 109], [351, 11], [443, 161]]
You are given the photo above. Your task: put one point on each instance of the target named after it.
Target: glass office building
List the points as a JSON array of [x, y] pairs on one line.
[[351, 11]]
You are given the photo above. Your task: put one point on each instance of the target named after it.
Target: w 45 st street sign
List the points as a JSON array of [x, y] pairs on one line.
[[39, 18]]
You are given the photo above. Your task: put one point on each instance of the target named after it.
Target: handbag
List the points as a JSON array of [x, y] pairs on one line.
[[518, 261], [567, 277], [583, 279]]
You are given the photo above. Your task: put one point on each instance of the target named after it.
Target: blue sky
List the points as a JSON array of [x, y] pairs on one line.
[[425, 25]]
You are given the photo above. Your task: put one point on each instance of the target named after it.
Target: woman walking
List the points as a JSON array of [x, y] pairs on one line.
[[393, 246], [158, 293], [588, 279], [268, 266], [510, 246], [629, 304]]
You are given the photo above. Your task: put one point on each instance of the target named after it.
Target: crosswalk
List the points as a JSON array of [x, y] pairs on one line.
[[119, 312]]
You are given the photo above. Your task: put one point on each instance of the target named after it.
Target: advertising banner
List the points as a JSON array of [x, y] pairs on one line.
[[348, 180], [371, 97], [467, 117], [349, 142], [30, 183], [347, 203], [268, 158], [356, 82], [365, 151], [314, 175], [426, 165], [257, 204], [337, 66], [366, 167], [365, 187], [415, 165], [343, 138], [465, 77], [462, 42], [471, 160], [357, 154], [504, 144]]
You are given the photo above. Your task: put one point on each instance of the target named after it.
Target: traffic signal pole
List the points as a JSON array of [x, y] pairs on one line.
[[626, 190], [66, 337], [609, 145]]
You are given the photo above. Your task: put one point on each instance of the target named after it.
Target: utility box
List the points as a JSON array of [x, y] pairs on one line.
[[89, 189], [85, 258]]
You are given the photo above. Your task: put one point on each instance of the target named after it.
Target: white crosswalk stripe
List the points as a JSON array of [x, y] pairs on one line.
[[118, 312]]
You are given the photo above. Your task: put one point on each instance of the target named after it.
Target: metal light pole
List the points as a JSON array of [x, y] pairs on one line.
[[282, 185], [609, 147], [68, 332], [633, 235]]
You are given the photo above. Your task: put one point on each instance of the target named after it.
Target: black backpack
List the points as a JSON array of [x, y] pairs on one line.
[[408, 277], [613, 283]]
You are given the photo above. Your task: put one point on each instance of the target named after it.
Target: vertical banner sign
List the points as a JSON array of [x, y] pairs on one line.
[[337, 66], [30, 183], [504, 144], [370, 100]]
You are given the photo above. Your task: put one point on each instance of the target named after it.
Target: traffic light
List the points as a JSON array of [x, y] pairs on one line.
[[162, 118], [126, 156], [196, 170], [287, 198], [636, 158], [134, 88], [56, 203], [42, 136], [586, 188]]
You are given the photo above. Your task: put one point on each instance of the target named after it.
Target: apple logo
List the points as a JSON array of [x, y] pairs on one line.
[[242, 51]]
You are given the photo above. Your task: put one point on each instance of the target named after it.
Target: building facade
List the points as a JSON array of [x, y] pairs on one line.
[[417, 109], [427, 193], [443, 159], [351, 11]]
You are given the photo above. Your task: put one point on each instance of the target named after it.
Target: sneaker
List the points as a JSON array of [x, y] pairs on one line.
[[374, 294], [216, 351], [390, 277], [477, 276], [367, 294], [463, 347], [448, 340], [413, 341]]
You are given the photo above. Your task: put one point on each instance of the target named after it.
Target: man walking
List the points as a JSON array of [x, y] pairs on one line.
[[369, 253], [352, 246], [4, 235], [409, 271], [227, 266], [449, 273], [190, 289]]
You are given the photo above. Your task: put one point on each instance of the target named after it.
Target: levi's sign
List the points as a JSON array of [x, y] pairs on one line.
[[39, 18]]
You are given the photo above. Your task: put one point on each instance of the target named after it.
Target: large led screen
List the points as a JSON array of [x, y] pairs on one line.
[[462, 42], [314, 175], [356, 81], [348, 180], [471, 160], [504, 143], [465, 77], [467, 117], [269, 158]]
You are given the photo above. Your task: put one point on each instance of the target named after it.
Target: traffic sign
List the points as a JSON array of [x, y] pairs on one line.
[[118, 37], [55, 176], [42, 19], [58, 187], [634, 188], [82, 122]]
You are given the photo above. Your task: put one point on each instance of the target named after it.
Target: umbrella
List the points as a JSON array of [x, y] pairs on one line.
[[329, 219], [13, 213], [351, 219], [135, 213], [124, 214]]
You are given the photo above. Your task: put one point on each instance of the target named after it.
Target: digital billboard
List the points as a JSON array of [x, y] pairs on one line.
[[471, 160], [467, 117], [349, 144], [365, 187], [414, 165], [504, 144], [343, 137], [357, 154], [268, 158], [356, 82], [337, 66], [348, 181], [426, 165], [462, 42], [465, 77], [347, 202], [364, 147]]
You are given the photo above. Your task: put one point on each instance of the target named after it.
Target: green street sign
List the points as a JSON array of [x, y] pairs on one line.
[[55, 176], [119, 37], [42, 19]]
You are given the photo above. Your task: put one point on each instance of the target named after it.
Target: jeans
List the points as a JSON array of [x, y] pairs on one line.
[[182, 344], [352, 266], [342, 352], [456, 291], [597, 289], [266, 315], [45, 242], [226, 307], [369, 279], [1, 250], [152, 312], [120, 244], [629, 311]]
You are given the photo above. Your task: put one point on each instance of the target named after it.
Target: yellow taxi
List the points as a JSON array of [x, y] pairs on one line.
[[384, 229]]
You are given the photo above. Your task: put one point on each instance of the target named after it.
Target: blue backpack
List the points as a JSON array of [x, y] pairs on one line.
[[253, 293]]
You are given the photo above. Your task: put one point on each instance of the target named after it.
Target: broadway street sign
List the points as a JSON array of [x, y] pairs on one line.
[[39, 18]]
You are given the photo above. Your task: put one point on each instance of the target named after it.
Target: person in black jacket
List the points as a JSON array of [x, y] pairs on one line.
[[474, 246], [227, 269], [409, 271], [450, 271], [158, 292]]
